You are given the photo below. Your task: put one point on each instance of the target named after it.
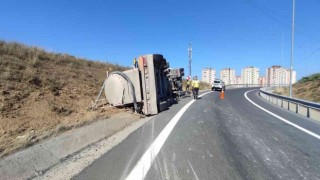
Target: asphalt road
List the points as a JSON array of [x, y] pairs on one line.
[[219, 139]]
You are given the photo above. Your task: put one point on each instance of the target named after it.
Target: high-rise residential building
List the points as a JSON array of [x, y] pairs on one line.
[[294, 76], [238, 80], [208, 75], [250, 75], [274, 74], [228, 75], [263, 81], [287, 76], [277, 75]]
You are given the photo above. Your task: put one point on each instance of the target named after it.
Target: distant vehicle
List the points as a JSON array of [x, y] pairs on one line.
[[218, 85]]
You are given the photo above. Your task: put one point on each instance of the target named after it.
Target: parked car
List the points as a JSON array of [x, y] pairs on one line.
[[218, 85]]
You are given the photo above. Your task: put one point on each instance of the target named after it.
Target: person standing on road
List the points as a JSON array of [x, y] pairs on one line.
[[188, 85], [195, 85], [135, 63]]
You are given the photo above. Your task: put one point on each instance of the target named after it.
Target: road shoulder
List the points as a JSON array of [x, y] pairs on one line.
[[37, 160]]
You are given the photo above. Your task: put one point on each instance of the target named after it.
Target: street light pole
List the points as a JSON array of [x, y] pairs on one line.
[[292, 46], [190, 57]]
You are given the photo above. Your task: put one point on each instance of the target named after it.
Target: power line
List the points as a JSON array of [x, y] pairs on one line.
[[274, 16], [309, 55], [270, 15]]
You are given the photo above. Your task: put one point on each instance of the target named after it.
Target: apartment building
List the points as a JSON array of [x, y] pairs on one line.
[[250, 75], [287, 76], [277, 75], [238, 80], [208, 75], [263, 81], [228, 75]]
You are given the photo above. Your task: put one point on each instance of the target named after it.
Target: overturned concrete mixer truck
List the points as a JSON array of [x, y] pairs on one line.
[[148, 89]]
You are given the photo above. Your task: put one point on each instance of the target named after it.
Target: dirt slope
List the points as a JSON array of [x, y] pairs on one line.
[[42, 94], [203, 85], [308, 88]]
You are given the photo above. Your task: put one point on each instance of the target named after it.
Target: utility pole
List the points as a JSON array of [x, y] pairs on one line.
[[292, 46], [282, 46], [190, 57]]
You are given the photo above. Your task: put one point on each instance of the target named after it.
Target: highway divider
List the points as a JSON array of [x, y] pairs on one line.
[[305, 108]]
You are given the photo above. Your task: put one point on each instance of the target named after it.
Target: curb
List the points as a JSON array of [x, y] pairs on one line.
[[35, 160]]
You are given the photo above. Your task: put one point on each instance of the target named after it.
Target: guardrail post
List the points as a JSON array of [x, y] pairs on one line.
[[292, 102]]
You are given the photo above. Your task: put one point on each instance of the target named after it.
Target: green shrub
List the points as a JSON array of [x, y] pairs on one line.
[[314, 77]]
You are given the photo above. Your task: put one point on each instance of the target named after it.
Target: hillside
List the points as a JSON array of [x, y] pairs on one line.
[[203, 85], [43, 94], [308, 88]]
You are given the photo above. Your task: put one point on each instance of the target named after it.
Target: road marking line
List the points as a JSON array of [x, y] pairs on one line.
[[143, 165], [281, 118], [194, 173]]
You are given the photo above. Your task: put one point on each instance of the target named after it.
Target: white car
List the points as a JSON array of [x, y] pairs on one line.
[[218, 85]]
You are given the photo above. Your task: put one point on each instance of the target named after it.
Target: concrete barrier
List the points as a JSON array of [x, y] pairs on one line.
[[305, 108]]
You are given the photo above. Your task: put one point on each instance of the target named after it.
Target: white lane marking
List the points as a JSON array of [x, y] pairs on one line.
[[281, 118], [194, 173], [142, 167]]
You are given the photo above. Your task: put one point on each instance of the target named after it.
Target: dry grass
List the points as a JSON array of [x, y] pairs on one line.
[[308, 88], [43, 94], [203, 85]]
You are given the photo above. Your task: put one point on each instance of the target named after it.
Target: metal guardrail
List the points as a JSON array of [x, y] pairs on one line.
[[305, 108], [233, 86], [254, 85], [302, 107]]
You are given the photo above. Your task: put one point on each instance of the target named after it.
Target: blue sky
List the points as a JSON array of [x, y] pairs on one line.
[[230, 33]]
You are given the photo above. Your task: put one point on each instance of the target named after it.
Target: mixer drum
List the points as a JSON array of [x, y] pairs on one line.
[[118, 91]]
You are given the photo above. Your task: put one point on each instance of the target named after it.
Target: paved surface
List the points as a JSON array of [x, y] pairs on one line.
[[219, 139], [35, 160]]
